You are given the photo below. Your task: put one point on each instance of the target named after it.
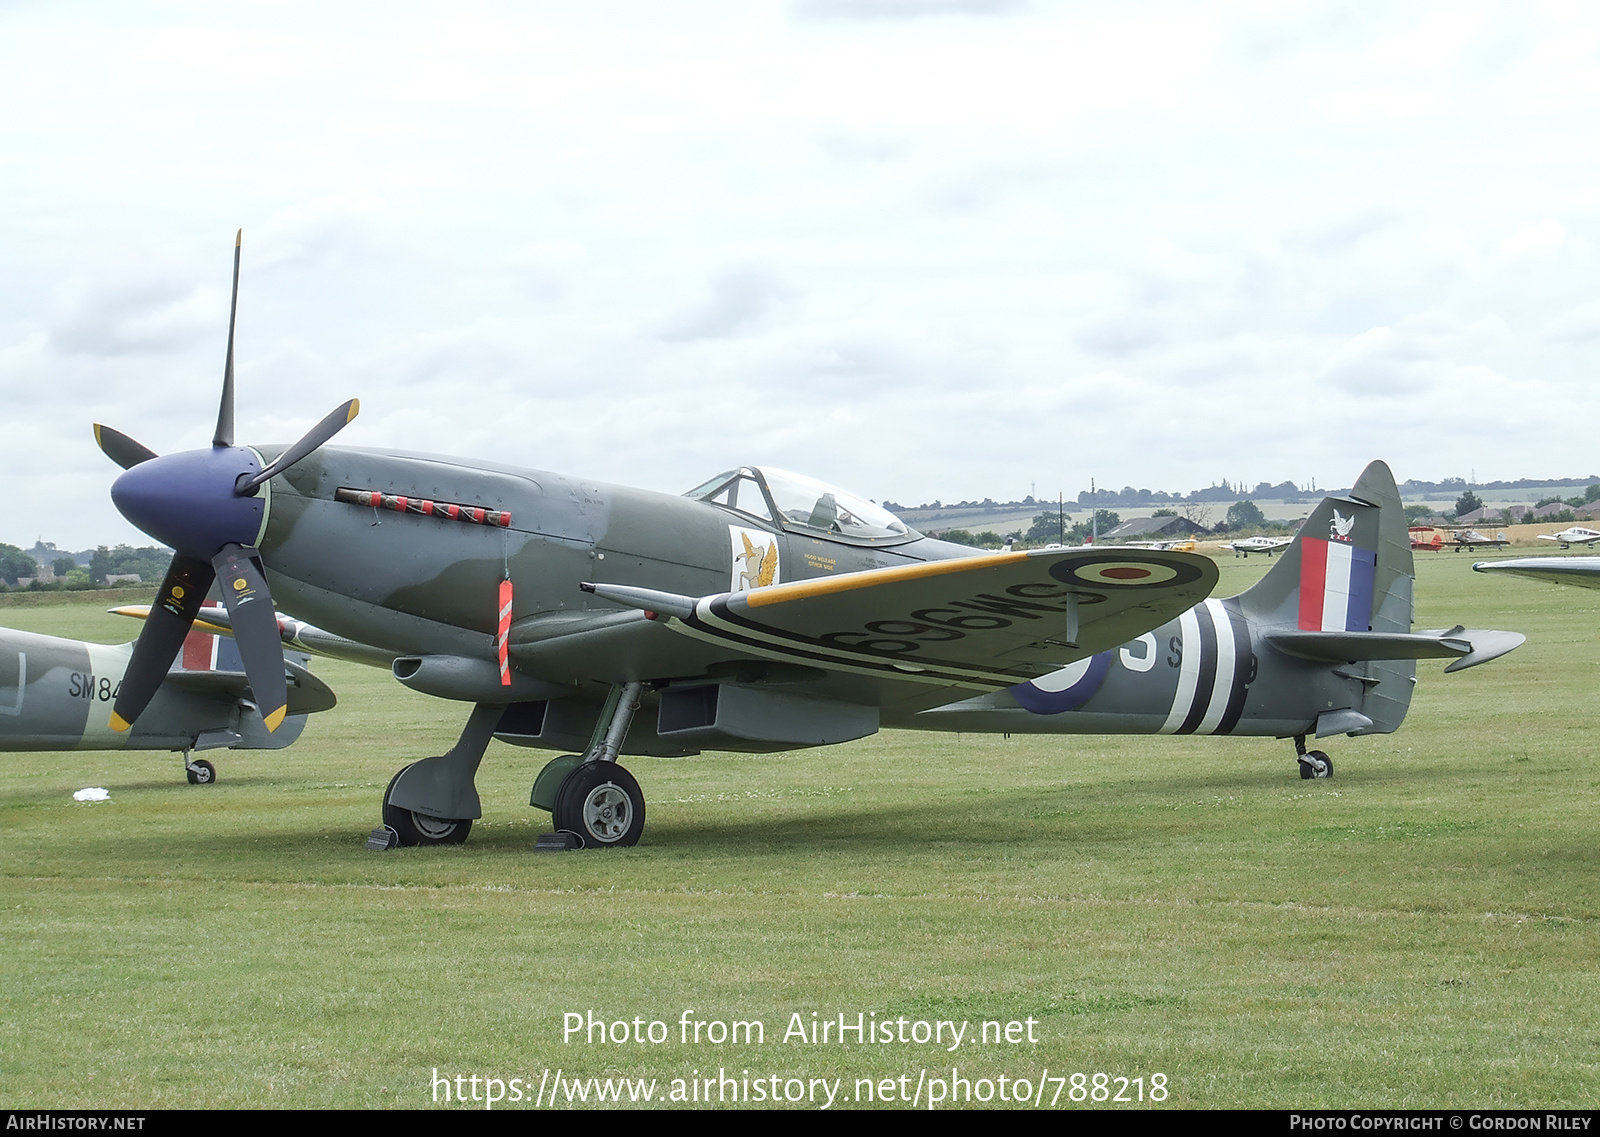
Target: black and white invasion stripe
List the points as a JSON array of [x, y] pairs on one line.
[[1215, 666]]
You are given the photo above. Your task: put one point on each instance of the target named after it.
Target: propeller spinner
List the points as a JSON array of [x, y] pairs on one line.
[[208, 506]]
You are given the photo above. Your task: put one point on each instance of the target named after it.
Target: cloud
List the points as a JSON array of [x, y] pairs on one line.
[[902, 9], [1426, 353], [1580, 325], [1120, 335], [155, 319], [1532, 238], [739, 301]]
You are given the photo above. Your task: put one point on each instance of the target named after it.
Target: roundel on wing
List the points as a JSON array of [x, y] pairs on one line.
[[1064, 690], [1119, 571]]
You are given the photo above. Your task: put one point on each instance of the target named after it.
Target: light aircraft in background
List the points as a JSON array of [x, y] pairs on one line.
[[55, 694], [1426, 537], [1268, 545], [1581, 571], [1472, 539], [1171, 544], [1576, 535], [602, 620]]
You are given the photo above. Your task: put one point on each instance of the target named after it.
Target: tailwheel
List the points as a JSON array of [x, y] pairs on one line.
[[1315, 764], [421, 828], [602, 803], [200, 773]]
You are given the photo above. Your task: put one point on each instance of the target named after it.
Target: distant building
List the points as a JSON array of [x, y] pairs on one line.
[[1154, 529]]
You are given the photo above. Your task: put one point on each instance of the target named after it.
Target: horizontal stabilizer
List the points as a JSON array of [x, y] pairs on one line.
[[1467, 647], [306, 693]]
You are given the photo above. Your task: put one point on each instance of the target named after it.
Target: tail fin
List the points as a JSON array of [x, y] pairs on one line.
[[1349, 570]]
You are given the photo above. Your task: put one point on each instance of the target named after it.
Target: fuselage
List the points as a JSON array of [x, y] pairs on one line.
[[1577, 535], [421, 582], [56, 694], [403, 574]]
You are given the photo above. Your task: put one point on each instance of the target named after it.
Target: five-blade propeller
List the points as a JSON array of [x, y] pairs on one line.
[[206, 505]]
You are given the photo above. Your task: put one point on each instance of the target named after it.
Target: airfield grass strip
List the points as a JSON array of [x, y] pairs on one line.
[[1418, 932], [1043, 900]]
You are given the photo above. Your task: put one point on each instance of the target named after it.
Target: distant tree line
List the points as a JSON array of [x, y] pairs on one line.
[[149, 563]]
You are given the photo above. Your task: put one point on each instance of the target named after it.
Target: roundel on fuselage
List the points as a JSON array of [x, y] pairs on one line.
[[1064, 690]]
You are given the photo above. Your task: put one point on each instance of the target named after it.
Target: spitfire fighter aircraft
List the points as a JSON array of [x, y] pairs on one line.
[[1575, 535], [761, 611], [1268, 545], [55, 695]]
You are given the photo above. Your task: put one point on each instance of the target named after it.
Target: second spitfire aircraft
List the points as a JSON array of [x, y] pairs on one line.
[[761, 611], [54, 694]]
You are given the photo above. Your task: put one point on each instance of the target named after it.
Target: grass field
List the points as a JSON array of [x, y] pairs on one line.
[[1419, 931]]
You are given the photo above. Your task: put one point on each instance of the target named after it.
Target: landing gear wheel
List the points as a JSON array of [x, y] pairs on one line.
[[601, 803], [1315, 764], [201, 773], [422, 828]]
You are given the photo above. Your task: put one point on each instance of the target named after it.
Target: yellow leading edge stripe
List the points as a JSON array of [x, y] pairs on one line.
[[142, 612], [802, 589]]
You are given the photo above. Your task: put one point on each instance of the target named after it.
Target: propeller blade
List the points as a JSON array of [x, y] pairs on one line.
[[224, 435], [255, 630], [121, 449], [182, 593], [335, 421]]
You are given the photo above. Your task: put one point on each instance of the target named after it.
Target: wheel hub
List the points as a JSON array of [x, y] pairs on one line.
[[433, 828], [605, 812]]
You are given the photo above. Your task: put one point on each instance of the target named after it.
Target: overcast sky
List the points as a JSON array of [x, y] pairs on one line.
[[921, 248]]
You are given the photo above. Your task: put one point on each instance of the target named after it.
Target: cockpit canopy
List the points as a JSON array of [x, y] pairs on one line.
[[803, 505]]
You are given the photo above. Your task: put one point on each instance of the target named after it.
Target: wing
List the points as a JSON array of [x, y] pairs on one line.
[[1582, 571], [978, 622]]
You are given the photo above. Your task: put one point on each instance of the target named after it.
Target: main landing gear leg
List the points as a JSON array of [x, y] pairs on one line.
[[597, 803], [434, 801], [1313, 763], [198, 771]]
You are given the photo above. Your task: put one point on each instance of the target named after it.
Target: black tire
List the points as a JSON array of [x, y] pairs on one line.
[[601, 803], [422, 828], [1308, 769], [202, 773]]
